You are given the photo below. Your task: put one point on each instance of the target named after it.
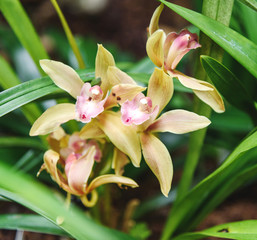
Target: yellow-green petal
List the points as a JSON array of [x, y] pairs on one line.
[[91, 131], [154, 23], [63, 76], [160, 88], [212, 98], [116, 76], [52, 118], [103, 60], [124, 137], [154, 47], [158, 159], [179, 122], [51, 159], [111, 178], [122, 92], [119, 161]]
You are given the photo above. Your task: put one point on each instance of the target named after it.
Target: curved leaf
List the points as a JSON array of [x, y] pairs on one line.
[[239, 47]]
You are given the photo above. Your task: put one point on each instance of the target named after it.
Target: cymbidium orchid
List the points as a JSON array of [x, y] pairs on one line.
[[90, 100], [77, 157], [141, 113], [166, 51]]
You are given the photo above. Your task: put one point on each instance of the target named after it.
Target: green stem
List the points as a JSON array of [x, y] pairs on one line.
[[69, 35], [221, 11]]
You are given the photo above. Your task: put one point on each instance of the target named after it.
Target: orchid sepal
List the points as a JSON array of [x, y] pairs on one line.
[[52, 118], [158, 159], [63, 76], [179, 122]]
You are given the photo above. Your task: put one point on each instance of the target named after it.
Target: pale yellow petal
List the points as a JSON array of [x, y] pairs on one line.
[[63, 76], [160, 88], [103, 60], [116, 76], [58, 134], [211, 98], [51, 159], [122, 92], [154, 47], [202, 89], [179, 122], [190, 82], [119, 161], [111, 178], [52, 118], [124, 137], [80, 171], [91, 131], [158, 159], [154, 23]]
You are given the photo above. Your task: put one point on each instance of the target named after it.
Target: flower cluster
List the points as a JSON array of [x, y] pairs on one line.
[[129, 132]]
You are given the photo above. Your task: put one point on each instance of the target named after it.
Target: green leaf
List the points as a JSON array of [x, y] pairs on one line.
[[29, 222], [239, 47], [228, 85], [21, 142], [243, 230], [193, 204], [26, 92], [250, 3], [24, 30], [8, 79], [30, 193]]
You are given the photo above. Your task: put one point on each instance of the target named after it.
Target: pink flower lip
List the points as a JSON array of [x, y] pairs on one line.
[[90, 103], [177, 45], [136, 111]]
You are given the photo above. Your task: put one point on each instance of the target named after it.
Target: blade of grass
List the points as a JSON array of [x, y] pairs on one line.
[[31, 223], [14, 142], [8, 79], [24, 30], [243, 230]]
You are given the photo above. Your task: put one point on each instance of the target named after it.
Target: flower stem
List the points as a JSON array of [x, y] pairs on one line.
[[69, 35]]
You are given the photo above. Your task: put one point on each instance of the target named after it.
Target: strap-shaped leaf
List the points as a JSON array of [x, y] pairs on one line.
[[216, 186], [24, 30], [19, 95], [29, 222], [239, 47], [250, 3], [243, 230]]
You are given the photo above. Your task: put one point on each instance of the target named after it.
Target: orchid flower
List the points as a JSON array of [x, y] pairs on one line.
[[77, 157], [142, 113], [167, 51], [90, 100]]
